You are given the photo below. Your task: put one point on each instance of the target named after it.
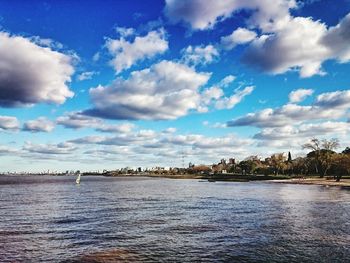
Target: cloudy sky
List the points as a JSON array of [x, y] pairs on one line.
[[106, 84]]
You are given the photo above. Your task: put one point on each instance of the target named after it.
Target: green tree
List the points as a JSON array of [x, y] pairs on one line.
[[341, 163], [346, 151], [277, 163], [321, 154], [250, 164]]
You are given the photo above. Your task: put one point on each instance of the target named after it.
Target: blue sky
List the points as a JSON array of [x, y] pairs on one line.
[[95, 85]]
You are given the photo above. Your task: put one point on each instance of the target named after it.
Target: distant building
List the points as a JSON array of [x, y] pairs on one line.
[[223, 162], [231, 161]]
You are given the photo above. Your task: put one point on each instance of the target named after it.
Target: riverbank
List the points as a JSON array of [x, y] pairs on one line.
[[315, 181], [221, 177], [345, 182], [248, 178]]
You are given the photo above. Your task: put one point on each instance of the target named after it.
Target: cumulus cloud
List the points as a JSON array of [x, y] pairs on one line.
[[215, 95], [202, 15], [303, 131], [166, 90], [5, 150], [238, 37], [337, 99], [212, 93], [41, 124], [337, 39], [164, 147], [8, 123], [203, 142], [166, 144], [127, 53], [77, 120], [199, 55], [61, 148], [305, 45], [121, 128], [331, 105], [281, 137], [31, 74], [138, 137], [299, 95], [298, 40], [285, 42]]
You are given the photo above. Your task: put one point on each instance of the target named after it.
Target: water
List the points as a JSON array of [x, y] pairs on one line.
[[51, 219]]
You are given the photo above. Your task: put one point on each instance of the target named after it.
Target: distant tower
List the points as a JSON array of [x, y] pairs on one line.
[[289, 157]]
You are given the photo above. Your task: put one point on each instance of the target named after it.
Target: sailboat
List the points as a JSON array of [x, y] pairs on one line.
[[78, 179]]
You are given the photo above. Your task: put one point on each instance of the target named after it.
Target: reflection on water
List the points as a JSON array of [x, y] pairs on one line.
[[51, 219]]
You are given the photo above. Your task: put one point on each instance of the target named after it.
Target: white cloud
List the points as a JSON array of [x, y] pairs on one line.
[[238, 37], [41, 124], [215, 125], [32, 74], [125, 31], [96, 57], [61, 148], [128, 53], [199, 55], [300, 43], [8, 123], [233, 100], [202, 15], [337, 39], [299, 95], [215, 96], [121, 128], [296, 44], [5, 150], [166, 90], [77, 120], [212, 93], [336, 99], [203, 142], [225, 82], [86, 75], [331, 105], [286, 42], [170, 130], [303, 131]]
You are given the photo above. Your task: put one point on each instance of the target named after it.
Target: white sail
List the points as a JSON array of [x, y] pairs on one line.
[[78, 179]]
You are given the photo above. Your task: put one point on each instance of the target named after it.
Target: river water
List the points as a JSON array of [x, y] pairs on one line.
[[51, 219]]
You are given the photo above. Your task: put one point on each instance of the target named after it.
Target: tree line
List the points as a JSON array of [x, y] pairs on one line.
[[322, 160]]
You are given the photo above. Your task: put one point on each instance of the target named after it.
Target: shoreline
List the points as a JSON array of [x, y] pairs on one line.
[[227, 178], [315, 181]]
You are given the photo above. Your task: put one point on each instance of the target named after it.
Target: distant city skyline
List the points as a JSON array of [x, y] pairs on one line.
[[107, 84]]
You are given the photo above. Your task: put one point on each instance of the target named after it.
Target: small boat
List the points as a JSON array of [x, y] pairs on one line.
[[78, 179], [211, 180]]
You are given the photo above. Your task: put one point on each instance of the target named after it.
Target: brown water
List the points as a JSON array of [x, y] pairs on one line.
[[50, 219]]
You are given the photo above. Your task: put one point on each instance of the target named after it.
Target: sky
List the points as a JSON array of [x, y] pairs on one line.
[[95, 85]]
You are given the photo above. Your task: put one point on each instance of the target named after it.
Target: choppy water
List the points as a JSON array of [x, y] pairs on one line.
[[50, 219]]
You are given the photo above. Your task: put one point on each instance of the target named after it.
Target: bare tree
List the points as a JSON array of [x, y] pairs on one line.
[[330, 145]]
